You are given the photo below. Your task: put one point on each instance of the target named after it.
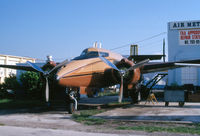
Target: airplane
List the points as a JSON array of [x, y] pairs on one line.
[[99, 68]]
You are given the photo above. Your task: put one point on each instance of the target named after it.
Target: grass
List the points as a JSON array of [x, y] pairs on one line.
[[17, 104], [85, 117], [2, 124], [189, 130]]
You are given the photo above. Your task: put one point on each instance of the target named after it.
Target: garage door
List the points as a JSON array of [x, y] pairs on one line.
[[189, 75]]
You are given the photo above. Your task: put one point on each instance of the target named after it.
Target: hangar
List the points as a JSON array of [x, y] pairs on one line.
[[184, 44]]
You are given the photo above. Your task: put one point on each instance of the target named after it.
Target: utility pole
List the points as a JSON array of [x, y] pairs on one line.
[[164, 50]]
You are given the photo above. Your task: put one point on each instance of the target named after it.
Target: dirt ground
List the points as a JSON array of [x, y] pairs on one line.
[[59, 119]]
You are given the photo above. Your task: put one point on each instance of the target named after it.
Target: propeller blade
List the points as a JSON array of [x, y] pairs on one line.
[[47, 90], [139, 64], [59, 65], [121, 73], [109, 63], [121, 90], [35, 67]]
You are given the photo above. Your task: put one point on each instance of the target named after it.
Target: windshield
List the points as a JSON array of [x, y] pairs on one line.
[[90, 54]]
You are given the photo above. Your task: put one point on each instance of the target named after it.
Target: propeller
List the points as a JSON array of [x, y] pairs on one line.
[[46, 75], [123, 72]]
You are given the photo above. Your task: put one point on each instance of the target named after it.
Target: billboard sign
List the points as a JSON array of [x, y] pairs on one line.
[[184, 25], [189, 37]]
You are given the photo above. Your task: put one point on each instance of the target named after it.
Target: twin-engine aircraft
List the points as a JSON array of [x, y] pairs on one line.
[[97, 67]]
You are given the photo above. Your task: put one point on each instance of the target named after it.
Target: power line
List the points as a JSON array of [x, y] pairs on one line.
[[152, 43], [139, 41]]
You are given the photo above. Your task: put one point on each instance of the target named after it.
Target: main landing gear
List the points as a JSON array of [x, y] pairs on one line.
[[72, 99]]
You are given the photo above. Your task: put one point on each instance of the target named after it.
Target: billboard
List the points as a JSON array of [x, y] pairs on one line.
[[184, 25], [184, 44], [189, 37]]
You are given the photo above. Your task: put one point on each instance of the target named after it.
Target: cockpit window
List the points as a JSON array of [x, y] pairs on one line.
[[84, 52], [91, 54]]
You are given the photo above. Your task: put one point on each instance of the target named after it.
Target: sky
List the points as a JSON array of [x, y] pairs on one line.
[[63, 28]]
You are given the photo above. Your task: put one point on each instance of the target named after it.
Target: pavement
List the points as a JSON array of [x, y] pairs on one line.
[[58, 123], [149, 112], [189, 113], [23, 131]]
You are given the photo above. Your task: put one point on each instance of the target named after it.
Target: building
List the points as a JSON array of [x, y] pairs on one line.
[[11, 60], [184, 44]]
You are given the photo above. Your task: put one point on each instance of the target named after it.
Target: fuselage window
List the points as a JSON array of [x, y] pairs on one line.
[[103, 54]]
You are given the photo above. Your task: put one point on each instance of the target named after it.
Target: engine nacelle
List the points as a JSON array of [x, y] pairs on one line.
[[132, 76]]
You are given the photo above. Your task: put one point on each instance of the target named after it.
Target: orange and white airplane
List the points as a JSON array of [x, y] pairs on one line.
[[97, 67]]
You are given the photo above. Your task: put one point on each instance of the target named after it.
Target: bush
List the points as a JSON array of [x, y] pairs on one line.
[[10, 83], [32, 84], [3, 91]]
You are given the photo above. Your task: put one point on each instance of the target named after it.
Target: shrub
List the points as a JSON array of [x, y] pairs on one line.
[[10, 83], [32, 84]]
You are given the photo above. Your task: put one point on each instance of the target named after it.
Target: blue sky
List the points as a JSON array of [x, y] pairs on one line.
[[63, 28]]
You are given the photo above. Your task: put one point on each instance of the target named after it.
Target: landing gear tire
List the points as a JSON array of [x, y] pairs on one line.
[[181, 104], [134, 97], [166, 104], [72, 103], [71, 108]]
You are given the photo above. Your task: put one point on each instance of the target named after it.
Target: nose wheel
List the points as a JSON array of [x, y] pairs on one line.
[[72, 103]]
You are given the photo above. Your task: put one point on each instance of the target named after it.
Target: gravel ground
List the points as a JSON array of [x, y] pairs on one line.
[[60, 120]]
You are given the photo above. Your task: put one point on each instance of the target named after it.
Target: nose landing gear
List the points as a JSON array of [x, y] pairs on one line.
[[72, 97]]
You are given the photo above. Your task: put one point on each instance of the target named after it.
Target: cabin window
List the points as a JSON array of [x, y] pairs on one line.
[[103, 54]]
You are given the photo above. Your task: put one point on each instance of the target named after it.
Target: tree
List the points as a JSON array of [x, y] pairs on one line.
[[32, 84]]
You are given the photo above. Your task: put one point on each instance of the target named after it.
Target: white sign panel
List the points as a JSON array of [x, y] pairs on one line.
[[189, 37], [184, 25]]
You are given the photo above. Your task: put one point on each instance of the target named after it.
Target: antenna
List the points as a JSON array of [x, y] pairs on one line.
[[100, 45], [95, 44]]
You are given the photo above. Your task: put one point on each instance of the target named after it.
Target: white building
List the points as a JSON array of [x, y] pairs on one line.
[[184, 44], [11, 60]]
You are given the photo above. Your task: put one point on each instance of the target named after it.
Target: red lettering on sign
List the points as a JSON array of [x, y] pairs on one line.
[[182, 33], [185, 37], [193, 32], [195, 36]]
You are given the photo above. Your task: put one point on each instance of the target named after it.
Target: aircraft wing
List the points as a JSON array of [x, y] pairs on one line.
[[139, 58], [18, 67], [162, 66]]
